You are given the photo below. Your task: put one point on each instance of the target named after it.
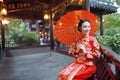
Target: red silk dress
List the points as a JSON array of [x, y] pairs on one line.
[[82, 67]]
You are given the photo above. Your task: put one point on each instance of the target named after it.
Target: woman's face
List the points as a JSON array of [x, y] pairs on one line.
[[85, 28]]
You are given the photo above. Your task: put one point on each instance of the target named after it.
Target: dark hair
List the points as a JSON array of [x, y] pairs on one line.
[[80, 23]]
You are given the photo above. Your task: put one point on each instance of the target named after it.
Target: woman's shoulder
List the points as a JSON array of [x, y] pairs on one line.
[[92, 38]]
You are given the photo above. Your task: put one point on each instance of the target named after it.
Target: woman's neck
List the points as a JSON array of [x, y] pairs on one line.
[[85, 35]]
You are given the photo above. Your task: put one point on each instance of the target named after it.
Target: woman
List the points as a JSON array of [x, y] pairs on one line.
[[84, 49]]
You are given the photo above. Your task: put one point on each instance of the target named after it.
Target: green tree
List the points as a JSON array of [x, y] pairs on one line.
[[118, 2], [112, 20], [111, 38], [17, 32], [15, 26]]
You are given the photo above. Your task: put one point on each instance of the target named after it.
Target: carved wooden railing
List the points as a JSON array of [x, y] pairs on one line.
[[108, 66], [12, 44]]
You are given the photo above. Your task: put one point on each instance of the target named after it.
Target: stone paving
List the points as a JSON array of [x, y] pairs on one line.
[[40, 65]]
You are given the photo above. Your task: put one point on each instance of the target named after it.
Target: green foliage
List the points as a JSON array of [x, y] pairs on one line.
[[111, 39], [19, 34], [112, 31], [115, 43], [104, 40], [118, 2], [18, 24], [29, 38], [112, 20]]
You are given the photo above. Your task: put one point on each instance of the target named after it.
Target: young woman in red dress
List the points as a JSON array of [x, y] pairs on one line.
[[84, 49]]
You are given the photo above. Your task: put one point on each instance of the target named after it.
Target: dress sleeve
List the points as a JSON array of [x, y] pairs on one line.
[[95, 47], [95, 44]]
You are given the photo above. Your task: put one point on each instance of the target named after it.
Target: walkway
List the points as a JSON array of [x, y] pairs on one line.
[[34, 66]]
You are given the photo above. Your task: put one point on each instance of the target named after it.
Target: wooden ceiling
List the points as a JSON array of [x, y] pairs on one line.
[[35, 9], [30, 9]]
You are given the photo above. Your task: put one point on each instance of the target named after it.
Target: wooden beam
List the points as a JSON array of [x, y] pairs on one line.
[[51, 31], [2, 35], [101, 26], [34, 5], [86, 5], [21, 16]]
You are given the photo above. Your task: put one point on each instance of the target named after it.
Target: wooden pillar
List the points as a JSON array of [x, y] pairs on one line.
[[2, 35], [86, 5], [51, 32], [101, 26]]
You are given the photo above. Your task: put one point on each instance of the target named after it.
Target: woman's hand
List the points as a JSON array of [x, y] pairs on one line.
[[81, 57], [97, 53], [70, 50], [81, 47]]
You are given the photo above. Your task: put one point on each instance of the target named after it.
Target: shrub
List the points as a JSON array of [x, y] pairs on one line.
[[112, 31], [115, 43], [16, 36], [112, 42], [29, 38], [104, 40], [24, 38]]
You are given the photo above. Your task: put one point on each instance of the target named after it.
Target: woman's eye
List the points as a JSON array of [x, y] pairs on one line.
[[84, 26]]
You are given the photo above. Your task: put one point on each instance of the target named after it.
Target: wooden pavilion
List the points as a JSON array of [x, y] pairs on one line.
[[35, 10]]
